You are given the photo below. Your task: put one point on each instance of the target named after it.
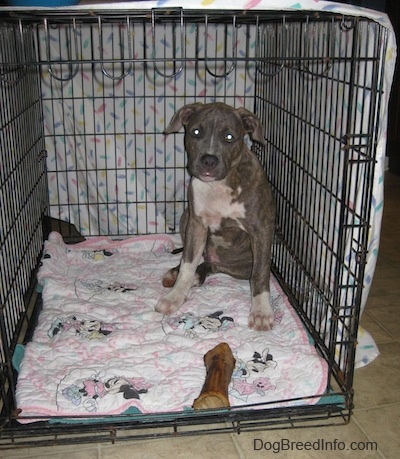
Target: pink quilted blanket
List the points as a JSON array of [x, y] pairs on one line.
[[100, 348]]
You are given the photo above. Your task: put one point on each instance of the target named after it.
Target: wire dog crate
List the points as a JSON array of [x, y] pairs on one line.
[[85, 96]]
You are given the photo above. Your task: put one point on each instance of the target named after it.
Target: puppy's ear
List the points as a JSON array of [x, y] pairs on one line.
[[252, 125], [181, 118]]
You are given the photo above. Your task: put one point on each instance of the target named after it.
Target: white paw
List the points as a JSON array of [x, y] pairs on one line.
[[261, 315], [170, 303]]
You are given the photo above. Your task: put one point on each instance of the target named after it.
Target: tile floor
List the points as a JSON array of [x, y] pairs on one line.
[[377, 394]]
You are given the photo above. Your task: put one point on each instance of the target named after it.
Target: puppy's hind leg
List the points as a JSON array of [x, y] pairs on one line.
[[169, 278], [202, 271]]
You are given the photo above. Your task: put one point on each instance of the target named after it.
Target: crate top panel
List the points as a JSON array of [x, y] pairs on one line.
[[269, 9]]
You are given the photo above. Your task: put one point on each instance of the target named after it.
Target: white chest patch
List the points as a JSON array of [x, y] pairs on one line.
[[214, 201]]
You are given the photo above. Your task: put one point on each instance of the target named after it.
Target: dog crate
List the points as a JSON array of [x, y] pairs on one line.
[[85, 95]]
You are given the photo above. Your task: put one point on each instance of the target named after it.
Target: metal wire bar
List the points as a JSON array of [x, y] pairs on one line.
[[313, 34], [225, 73], [19, 49], [121, 45], [264, 39], [175, 73], [72, 71]]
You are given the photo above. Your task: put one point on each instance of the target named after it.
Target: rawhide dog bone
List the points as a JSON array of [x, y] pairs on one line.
[[219, 363]]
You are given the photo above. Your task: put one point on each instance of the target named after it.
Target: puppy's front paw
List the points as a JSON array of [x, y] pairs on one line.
[[261, 316], [169, 304]]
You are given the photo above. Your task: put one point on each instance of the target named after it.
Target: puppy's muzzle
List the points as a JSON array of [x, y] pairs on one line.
[[209, 162], [208, 168]]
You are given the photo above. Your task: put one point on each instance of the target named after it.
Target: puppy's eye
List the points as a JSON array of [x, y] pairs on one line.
[[229, 137], [196, 132]]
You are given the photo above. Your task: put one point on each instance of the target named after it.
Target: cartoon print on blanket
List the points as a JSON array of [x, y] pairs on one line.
[[86, 328], [99, 286], [98, 255], [97, 391], [195, 327], [103, 351], [244, 382]]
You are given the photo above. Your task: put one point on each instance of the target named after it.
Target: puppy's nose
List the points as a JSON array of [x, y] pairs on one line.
[[209, 161]]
